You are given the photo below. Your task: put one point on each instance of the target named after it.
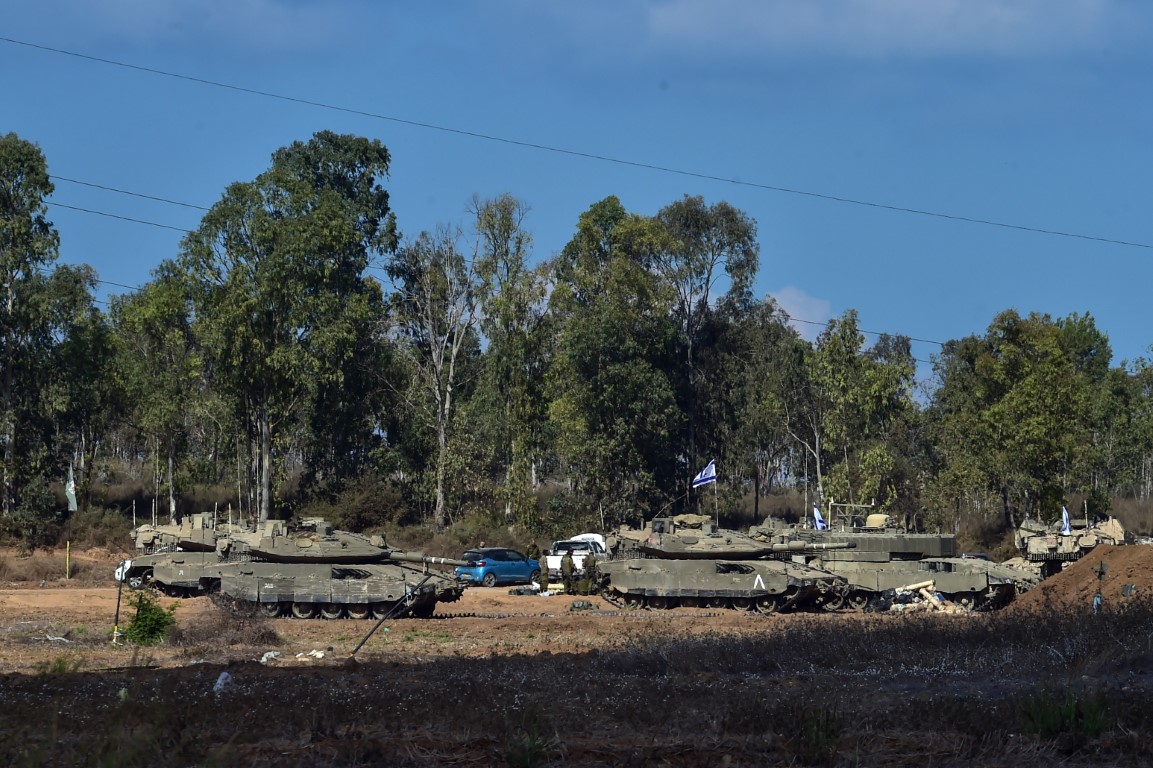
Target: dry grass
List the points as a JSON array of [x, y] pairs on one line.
[[994, 689]]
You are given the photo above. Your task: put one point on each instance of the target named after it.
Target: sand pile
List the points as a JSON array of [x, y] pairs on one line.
[[1128, 569]]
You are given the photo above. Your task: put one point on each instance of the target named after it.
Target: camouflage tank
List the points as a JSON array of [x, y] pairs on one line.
[[688, 561], [888, 558], [764, 585], [1052, 549], [324, 573]]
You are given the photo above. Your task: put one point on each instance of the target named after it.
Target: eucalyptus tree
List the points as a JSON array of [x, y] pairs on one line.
[[1010, 416], [840, 407], [512, 303], [704, 243], [28, 245], [748, 368], [612, 400], [159, 365], [276, 272], [434, 312]]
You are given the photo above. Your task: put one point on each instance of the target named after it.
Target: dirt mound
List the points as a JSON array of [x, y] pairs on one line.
[[1128, 569]]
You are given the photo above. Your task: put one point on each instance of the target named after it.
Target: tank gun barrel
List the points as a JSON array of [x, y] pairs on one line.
[[808, 546], [423, 559]]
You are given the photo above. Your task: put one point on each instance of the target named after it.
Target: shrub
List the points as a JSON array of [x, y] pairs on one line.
[[151, 623]]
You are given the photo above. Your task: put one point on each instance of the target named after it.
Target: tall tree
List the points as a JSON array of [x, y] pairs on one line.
[[511, 296], [276, 270], [435, 311], [703, 242], [158, 367], [612, 402], [28, 244]]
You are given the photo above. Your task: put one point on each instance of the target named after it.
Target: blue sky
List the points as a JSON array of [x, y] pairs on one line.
[[1031, 113]]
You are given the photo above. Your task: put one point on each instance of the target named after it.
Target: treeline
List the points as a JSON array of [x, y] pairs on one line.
[[456, 374]]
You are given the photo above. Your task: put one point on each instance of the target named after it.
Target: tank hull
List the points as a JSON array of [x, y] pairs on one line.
[[763, 585], [303, 590]]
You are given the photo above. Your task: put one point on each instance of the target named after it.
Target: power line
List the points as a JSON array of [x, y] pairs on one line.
[[118, 216], [584, 155], [128, 192]]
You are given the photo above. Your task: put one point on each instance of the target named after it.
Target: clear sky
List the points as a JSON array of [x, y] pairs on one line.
[[1036, 114]]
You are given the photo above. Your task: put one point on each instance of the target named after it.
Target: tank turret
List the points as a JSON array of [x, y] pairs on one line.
[[695, 537], [318, 571], [884, 557], [1053, 546]]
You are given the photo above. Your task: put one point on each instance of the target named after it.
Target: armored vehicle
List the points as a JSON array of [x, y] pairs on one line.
[[1052, 549], [323, 573], [764, 585], [686, 560], [695, 537], [887, 558]]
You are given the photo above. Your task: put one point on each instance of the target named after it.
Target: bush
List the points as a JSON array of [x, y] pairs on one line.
[[151, 623]]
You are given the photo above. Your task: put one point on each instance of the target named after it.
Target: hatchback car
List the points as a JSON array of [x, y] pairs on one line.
[[496, 565]]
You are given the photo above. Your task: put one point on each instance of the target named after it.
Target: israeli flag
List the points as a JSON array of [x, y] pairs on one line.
[[1065, 530], [706, 475], [818, 521]]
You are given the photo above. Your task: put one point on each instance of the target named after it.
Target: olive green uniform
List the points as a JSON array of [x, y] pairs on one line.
[[567, 572]]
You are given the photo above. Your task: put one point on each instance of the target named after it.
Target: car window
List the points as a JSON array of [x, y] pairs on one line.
[[471, 556], [516, 556]]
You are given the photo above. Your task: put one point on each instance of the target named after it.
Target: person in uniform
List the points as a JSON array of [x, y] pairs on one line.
[[589, 583], [568, 572]]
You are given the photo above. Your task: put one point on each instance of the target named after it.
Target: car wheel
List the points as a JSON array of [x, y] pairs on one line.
[[534, 577], [489, 579]]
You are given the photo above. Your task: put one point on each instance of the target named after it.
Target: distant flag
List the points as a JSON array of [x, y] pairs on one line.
[[706, 475], [1065, 530], [818, 521], [70, 491]]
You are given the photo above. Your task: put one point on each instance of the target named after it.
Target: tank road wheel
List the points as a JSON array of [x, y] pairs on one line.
[[380, 610], [858, 600], [424, 610], [742, 603], [834, 602], [332, 610], [634, 602], [489, 579], [304, 610], [767, 604], [660, 603], [716, 601], [359, 610], [270, 610], [970, 601], [692, 602]]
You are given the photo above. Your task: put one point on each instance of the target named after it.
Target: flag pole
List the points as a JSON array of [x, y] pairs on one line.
[[716, 506]]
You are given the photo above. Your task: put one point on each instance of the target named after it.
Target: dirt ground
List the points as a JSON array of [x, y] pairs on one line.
[[521, 680]]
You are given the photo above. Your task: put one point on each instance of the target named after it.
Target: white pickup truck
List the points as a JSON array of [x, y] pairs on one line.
[[580, 546]]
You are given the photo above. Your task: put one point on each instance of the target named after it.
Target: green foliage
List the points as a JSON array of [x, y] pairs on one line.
[[1076, 715], [531, 742], [61, 665], [152, 622]]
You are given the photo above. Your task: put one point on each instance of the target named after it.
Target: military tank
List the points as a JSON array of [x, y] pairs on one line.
[[320, 572], [1052, 549], [885, 558], [688, 561]]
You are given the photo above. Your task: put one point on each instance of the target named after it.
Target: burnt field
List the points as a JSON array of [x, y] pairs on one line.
[[525, 681]]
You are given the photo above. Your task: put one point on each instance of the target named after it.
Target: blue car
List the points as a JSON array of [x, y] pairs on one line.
[[496, 565]]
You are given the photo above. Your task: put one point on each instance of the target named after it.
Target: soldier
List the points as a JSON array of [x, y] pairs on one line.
[[567, 572], [543, 572], [533, 551], [589, 584]]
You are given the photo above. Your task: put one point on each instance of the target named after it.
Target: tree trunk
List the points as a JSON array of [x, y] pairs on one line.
[[265, 465]]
